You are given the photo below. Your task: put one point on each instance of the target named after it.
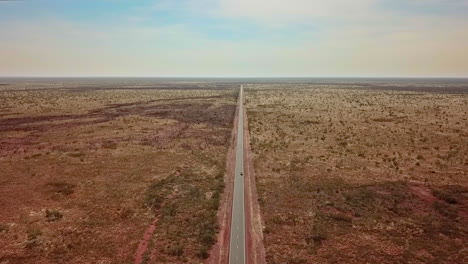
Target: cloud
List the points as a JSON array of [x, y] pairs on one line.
[[295, 10], [287, 38]]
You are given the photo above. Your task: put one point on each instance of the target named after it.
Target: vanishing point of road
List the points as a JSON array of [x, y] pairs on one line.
[[237, 241]]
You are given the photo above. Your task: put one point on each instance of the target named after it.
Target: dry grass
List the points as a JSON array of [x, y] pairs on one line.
[[78, 163], [361, 175]]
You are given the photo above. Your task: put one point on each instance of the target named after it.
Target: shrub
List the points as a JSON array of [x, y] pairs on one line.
[[341, 217], [110, 145], [445, 209], [33, 233], [316, 237], [76, 154], [3, 227], [33, 237], [444, 196], [155, 193], [176, 250], [53, 215], [62, 188], [203, 252]]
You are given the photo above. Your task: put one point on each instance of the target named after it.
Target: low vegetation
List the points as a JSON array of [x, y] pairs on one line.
[[87, 165], [361, 175], [186, 204]]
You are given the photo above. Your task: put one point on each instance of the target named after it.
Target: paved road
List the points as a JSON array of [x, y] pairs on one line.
[[237, 243]]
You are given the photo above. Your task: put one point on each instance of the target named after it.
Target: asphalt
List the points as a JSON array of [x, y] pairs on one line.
[[237, 240]]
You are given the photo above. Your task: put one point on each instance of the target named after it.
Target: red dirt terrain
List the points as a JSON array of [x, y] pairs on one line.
[[85, 173], [361, 175], [220, 251], [143, 246], [254, 226]]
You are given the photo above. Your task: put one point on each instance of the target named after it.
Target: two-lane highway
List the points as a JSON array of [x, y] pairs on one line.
[[237, 241]]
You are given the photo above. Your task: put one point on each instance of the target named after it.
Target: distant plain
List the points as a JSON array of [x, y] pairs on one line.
[[348, 170], [87, 165], [362, 172]]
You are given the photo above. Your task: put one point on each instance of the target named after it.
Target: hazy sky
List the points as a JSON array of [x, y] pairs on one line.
[[231, 38]]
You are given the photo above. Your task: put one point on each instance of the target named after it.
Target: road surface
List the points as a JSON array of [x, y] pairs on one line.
[[237, 241]]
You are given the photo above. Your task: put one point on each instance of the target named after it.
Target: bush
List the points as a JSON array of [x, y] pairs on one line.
[[445, 209], [33, 237], [53, 215], [155, 193], [203, 252], [176, 250], [3, 228], [341, 217], [317, 236], [76, 154], [445, 196], [33, 233], [110, 145], [62, 188]]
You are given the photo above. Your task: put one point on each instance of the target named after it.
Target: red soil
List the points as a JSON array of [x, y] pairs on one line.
[[254, 226], [219, 253], [143, 246], [423, 193]]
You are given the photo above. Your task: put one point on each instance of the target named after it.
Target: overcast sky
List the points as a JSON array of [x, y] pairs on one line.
[[229, 38]]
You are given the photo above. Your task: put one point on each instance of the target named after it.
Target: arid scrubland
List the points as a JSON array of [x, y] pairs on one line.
[[86, 167], [361, 175]]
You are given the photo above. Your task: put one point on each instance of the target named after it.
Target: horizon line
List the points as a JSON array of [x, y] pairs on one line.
[[241, 77]]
